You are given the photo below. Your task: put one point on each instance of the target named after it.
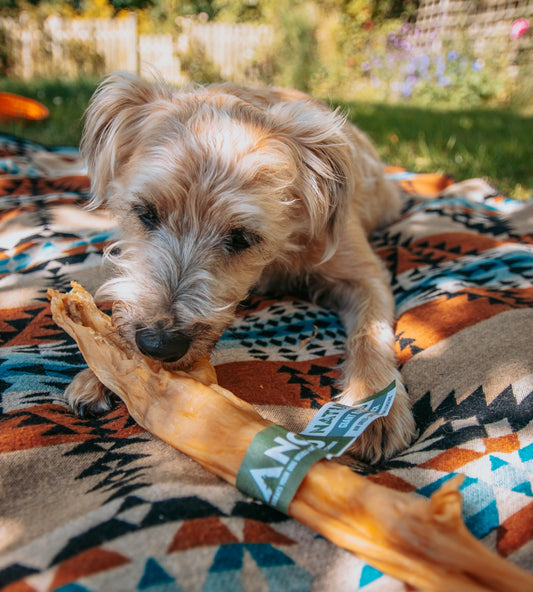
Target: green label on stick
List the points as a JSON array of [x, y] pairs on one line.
[[277, 460]]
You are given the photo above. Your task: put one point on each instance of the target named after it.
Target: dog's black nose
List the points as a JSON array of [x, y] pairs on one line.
[[162, 344]]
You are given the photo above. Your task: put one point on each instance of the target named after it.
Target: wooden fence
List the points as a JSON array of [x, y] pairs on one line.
[[232, 48], [159, 54], [73, 47]]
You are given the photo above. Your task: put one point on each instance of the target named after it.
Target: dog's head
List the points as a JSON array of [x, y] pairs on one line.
[[210, 188]]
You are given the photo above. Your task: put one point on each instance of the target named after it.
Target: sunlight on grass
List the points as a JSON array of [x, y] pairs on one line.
[[490, 143]]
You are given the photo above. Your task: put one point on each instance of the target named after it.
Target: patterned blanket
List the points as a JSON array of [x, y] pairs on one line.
[[99, 505]]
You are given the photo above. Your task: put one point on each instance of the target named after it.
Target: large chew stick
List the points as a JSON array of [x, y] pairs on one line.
[[422, 542]]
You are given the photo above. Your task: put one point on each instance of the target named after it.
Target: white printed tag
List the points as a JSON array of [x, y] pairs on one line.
[[340, 424], [277, 460]]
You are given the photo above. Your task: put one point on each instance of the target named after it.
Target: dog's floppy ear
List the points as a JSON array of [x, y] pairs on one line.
[[112, 121], [325, 183]]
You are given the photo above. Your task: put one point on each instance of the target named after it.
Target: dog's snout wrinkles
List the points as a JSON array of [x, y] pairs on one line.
[[162, 344]]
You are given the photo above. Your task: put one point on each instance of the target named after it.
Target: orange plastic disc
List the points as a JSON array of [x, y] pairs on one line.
[[18, 107]]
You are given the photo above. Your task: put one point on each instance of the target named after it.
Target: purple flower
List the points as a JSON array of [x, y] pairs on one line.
[[411, 68], [407, 89], [365, 66], [453, 55], [423, 63], [444, 81], [477, 65], [440, 66]]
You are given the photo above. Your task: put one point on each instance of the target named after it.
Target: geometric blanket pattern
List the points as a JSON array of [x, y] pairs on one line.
[[99, 505]]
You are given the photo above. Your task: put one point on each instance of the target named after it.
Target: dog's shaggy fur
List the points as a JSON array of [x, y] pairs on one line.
[[223, 189]]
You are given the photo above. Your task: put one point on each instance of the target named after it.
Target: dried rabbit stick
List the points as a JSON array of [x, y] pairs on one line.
[[422, 542]]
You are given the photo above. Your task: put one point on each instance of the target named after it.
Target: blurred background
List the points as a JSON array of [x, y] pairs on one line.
[[439, 85]]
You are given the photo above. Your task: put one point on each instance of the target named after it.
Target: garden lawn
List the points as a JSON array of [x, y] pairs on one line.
[[490, 143], [66, 100]]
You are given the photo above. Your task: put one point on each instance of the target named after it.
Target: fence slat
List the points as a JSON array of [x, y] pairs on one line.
[[74, 47]]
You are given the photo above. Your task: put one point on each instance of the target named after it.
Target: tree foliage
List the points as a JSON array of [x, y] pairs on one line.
[[77, 6], [230, 10]]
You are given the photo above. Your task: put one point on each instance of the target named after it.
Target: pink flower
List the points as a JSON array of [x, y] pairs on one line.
[[519, 27]]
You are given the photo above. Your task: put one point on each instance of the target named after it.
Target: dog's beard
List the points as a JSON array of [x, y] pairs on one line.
[[149, 289]]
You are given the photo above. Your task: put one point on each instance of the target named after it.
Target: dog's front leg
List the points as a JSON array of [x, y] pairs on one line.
[[357, 286], [88, 396]]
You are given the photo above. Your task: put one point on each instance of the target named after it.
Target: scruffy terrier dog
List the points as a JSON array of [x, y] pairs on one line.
[[223, 189]]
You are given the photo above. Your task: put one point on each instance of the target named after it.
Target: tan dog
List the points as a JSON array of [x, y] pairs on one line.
[[221, 190]]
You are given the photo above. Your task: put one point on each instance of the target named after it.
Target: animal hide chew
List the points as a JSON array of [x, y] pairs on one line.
[[420, 541]]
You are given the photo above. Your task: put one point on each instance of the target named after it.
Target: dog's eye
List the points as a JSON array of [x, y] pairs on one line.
[[239, 239], [147, 214]]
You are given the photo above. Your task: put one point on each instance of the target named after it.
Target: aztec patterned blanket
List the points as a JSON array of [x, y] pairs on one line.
[[99, 505]]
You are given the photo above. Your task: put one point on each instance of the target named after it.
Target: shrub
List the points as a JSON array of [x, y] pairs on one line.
[[198, 66], [454, 76], [295, 58]]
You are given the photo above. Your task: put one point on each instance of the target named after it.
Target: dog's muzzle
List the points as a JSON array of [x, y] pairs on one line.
[[162, 344]]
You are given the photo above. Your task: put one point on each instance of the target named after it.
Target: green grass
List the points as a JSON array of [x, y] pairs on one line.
[[66, 101], [491, 143]]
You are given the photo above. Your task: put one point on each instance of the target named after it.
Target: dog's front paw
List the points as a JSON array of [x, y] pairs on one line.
[[88, 396], [385, 436]]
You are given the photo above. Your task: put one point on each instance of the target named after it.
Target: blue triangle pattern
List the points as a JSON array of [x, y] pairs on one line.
[[280, 571], [429, 489], [525, 488], [483, 522], [509, 476], [154, 575], [222, 581], [265, 555], [369, 574], [476, 494], [72, 587], [496, 463], [287, 578], [168, 587], [227, 558], [526, 453]]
